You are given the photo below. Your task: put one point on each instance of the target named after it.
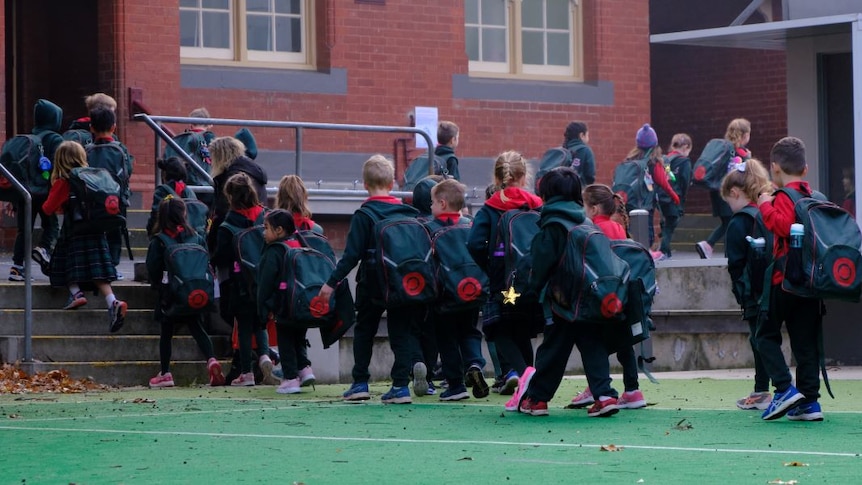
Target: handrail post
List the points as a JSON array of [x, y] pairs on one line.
[[28, 246], [298, 169]]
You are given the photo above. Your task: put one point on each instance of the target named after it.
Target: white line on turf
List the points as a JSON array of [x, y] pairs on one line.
[[428, 442]]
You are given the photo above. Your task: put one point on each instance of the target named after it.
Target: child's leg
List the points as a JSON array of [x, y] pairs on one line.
[[450, 353], [768, 339], [804, 321], [761, 377], [300, 343], [245, 322], [651, 227], [399, 323], [551, 359], [509, 350], [594, 355], [367, 321], [287, 351], [196, 328], [165, 336], [428, 342], [668, 226], [470, 339], [627, 359], [261, 338]]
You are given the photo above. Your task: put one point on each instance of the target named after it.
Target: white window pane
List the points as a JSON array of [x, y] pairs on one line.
[[532, 14], [288, 34], [471, 39], [216, 30], [493, 12], [288, 6], [471, 11], [190, 3], [533, 48], [216, 4], [558, 14], [189, 29], [494, 45], [259, 36], [257, 6], [558, 49]]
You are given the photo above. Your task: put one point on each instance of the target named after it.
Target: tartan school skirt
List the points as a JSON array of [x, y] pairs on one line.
[[81, 259]]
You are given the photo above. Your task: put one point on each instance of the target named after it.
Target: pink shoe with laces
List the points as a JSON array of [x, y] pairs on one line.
[[524, 381]]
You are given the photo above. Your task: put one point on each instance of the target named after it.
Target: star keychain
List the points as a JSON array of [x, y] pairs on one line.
[[509, 296]]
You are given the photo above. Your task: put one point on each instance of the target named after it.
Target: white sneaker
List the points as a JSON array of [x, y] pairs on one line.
[[703, 249], [289, 386], [243, 380], [306, 376]]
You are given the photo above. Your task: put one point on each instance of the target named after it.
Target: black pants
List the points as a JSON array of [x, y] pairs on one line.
[[248, 325], [403, 325], [512, 336], [551, 358], [169, 325], [669, 220], [460, 343], [292, 349], [50, 229], [804, 320], [761, 376]]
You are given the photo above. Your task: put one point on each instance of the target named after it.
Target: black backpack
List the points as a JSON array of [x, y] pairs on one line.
[[80, 135], [463, 284], [190, 284], [641, 291], [24, 157], [304, 271], [248, 244], [114, 158], [634, 184], [711, 167], [401, 260], [418, 170], [591, 282], [96, 200], [195, 144], [515, 231], [197, 213], [749, 288]]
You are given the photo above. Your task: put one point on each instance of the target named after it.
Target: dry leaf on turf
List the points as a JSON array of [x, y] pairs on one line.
[[795, 463], [779, 481], [14, 380], [611, 448]]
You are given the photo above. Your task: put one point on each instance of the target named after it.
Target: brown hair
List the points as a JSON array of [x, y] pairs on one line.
[[378, 172], [446, 132], [680, 140], [750, 176], [240, 192], [610, 204], [292, 196], [452, 191], [736, 131], [509, 167], [789, 154]]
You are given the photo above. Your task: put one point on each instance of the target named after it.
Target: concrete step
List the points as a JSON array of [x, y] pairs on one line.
[[128, 373], [105, 348]]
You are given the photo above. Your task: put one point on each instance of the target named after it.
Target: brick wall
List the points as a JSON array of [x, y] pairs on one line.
[[698, 90]]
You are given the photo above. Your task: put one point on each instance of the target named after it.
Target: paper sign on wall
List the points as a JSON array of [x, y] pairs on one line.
[[426, 120]]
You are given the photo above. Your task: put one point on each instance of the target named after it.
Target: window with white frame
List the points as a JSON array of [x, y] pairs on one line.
[[246, 31], [524, 38]]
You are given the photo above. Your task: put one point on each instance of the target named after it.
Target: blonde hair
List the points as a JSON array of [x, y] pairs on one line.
[[69, 155], [736, 131], [223, 151], [452, 191], [292, 196], [750, 177], [378, 172], [509, 168], [100, 100], [680, 140], [200, 113], [607, 202]]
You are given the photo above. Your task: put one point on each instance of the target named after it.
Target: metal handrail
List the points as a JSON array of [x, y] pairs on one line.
[[298, 126], [28, 246]]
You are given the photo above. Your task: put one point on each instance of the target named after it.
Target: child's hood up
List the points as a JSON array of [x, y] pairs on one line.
[[47, 116], [557, 207]]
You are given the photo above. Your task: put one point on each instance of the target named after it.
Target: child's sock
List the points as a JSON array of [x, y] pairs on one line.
[[110, 299], [74, 289]]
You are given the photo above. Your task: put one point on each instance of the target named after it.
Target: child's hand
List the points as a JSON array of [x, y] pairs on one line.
[[325, 292], [764, 198], [675, 199]]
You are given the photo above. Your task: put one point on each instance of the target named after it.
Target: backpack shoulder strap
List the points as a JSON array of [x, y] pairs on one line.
[[166, 240]]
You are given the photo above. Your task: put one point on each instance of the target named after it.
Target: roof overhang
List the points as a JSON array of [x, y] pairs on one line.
[[768, 35]]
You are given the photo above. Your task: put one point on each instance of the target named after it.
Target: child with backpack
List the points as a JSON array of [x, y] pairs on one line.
[[292, 345], [79, 260], [378, 175], [508, 322], [173, 186], [635, 177], [747, 260], [445, 161], [292, 196], [678, 167], [575, 153], [560, 190], [738, 135], [239, 303], [184, 292], [455, 316], [802, 316], [600, 204]]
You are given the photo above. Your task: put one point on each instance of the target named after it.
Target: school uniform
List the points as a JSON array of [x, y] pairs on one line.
[[238, 306], [118, 158], [561, 335], [583, 160], [510, 327], [448, 153], [802, 316], [219, 204], [292, 344], [155, 270], [680, 167], [403, 321], [76, 258], [458, 337]]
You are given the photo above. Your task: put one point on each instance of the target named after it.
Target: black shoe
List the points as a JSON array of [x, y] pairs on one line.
[[476, 380]]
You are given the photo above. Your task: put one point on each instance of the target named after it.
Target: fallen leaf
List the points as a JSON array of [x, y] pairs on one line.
[[683, 426], [795, 463], [14, 416], [143, 400], [466, 458], [611, 448], [779, 481], [13, 380]]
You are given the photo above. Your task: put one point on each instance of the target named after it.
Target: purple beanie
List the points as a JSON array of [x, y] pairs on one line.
[[646, 137]]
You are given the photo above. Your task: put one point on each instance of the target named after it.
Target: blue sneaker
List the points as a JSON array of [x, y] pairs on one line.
[[431, 389], [782, 402], [357, 392], [397, 395], [809, 411], [510, 382], [455, 393]]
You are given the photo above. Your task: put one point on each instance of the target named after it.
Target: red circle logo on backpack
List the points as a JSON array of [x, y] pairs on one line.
[[318, 307], [198, 299], [611, 306], [413, 283], [469, 289], [699, 173], [112, 205], [844, 271]]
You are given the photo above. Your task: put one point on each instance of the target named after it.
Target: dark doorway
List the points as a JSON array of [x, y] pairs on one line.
[[52, 52], [836, 122]]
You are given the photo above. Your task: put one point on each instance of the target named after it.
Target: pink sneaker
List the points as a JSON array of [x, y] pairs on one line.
[[603, 408], [214, 369], [631, 400], [306, 376], [523, 382], [246, 379], [289, 386], [162, 380], [582, 400]]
